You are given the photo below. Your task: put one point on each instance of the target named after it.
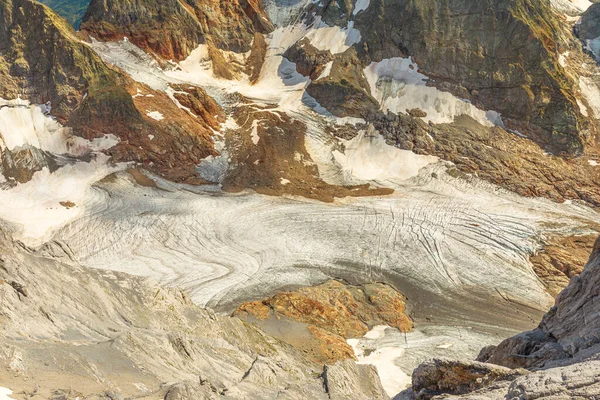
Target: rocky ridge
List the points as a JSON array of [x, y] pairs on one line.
[[75, 332], [47, 63], [560, 357], [172, 29]]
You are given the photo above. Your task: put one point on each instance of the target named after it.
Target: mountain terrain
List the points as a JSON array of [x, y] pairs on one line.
[[298, 199]]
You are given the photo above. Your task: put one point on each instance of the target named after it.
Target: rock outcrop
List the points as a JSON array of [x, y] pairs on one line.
[[68, 330], [562, 354], [501, 55], [172, 29], [444, 376], [332, 312], [567, 333]]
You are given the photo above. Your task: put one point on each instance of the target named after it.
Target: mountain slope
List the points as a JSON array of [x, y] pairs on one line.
[[171, 29], [500, 55], [46, 62]]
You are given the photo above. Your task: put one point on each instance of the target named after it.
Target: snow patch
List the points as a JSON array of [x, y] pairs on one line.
[[254, 134], [393, 379], [571, 6], [361, 5], [326, 70], [398, 86], [155, 115], [367, 157], [35, 206], [591, 92], [333, 38], [5, 394]]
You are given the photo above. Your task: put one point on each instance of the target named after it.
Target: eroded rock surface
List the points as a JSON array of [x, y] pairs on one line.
[[69, 331], [331, 312], [172, 29]]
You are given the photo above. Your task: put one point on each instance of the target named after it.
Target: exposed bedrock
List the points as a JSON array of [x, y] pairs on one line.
[[568, 332], [561, 355], [501, 55], [47, 63], [319, 319], [172, 29]]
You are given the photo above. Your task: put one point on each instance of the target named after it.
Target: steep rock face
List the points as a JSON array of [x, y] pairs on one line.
[[172, 29], [561, 354], [588, 29], [568, 331], [97, 334], [501, 55], [46, 63]]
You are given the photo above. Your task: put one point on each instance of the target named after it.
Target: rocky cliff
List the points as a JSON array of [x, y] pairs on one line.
[[558, 359], [172, 29], [47, 63], [501, 55]]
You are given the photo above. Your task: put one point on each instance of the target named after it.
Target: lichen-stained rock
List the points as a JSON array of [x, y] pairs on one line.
[[332, 312], [445, 376], [171, 29]]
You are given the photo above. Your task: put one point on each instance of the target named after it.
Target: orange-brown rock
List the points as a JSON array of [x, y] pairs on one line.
[[256, 59], [200, 104], [332, 346], [268, 154], [562, 258], [332, 312], [153, 131], [171, 29]]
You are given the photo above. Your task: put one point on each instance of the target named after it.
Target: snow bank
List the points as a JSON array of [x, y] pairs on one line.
[[5, 394], [591, 92], [571, 6], [393, 378], [156, 115], [367, 157], [35, 206], [22, 124], [398, 86], [333, 38]]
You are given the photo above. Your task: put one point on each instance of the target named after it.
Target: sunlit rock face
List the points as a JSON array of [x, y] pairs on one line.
[[340, 173], [172, 29]]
